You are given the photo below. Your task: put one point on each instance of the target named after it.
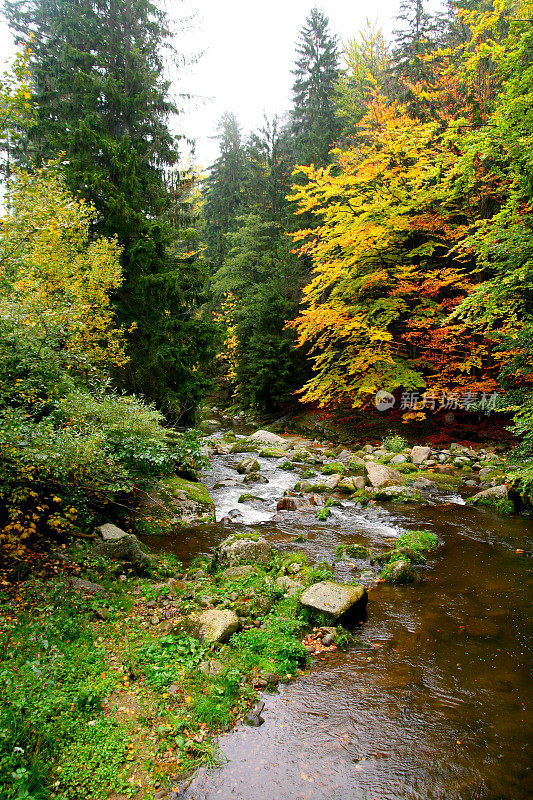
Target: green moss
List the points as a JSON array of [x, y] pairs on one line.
[[229, 437], [287, 465], [406, 468], [503, 507], [333, 469], [423, 541], [357, 551], [193, 491], [272, 452], [247, 496], [399, 554], [245, 446], [361, 497], [406, 574], [443, 479]]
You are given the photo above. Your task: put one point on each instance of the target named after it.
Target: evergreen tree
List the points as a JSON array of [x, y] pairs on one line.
[[98, 77], [414, 39], [314, 123], [223, 191]]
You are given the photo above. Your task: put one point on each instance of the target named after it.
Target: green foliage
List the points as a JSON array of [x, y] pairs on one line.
[[323, 513], [53, 680], [394, 443], [333, 469], [102, 99], [423, 541], [162, 660]]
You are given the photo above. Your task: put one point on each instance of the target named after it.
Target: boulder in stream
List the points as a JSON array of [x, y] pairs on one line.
[[379, 475], [266, 437], [248, 465], [335, 599]]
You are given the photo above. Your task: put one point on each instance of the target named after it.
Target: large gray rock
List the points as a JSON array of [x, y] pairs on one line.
[[379, 475], [419, 454], [126, 549], [235, 551], [268, 438], [110, 532], [335, 599], [88, 587], [495, 493], [213, 625]]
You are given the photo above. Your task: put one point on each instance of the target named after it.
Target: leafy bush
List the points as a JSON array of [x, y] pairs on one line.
[[394, 443]]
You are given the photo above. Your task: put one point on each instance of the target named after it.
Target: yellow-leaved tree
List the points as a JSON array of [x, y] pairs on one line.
[[55, 282]]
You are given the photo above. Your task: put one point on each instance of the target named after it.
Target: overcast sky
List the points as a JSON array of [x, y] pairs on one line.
[[248, 53]]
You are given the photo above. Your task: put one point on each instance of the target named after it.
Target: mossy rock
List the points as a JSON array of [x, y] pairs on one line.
[[400, 571], [406, 468], [173, 503], [245, 446], [335, 468], [272, 452], [399, 554], [287, 465], [357, 551]]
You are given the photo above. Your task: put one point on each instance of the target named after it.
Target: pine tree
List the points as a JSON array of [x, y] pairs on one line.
[[98, 78], [314, 124], [224, 190]]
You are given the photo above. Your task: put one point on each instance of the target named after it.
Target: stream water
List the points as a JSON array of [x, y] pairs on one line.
[[438, 708]]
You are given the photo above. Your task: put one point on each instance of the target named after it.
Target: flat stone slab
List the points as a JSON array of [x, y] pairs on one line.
[[333, 598], [214, 625], [110, 532]]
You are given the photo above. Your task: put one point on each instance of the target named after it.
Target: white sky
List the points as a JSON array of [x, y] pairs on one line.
[[248, 53]]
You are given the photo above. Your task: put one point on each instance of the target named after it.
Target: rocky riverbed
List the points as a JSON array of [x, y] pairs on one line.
[[404, 713]]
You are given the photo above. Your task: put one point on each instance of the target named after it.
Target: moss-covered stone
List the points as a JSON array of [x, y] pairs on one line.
[[173, 503]]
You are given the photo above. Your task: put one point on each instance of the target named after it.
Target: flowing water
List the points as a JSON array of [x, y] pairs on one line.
[[438, 708]]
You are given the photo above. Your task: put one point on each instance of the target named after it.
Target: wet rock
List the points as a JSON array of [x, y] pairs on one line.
[[359, 483], [315, 500], [270, 678], [287, 504], [237, 550], [335, 599], [173, 503], [288, 585], [214, 625], [345, 456], [420, 454], [126, 549], [253, 720], [328, 639], [248, 465], [380, 475], [255, 477], [400, 572], [424, 483]]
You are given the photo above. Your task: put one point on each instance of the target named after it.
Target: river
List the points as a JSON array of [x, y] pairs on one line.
[[438, 706]]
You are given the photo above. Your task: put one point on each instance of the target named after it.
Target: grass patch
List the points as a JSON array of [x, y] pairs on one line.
[[335, 468]]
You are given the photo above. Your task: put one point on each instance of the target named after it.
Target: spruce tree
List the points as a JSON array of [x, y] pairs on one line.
[[103, 100], [314, 123], [414, 38], [224, 190]]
